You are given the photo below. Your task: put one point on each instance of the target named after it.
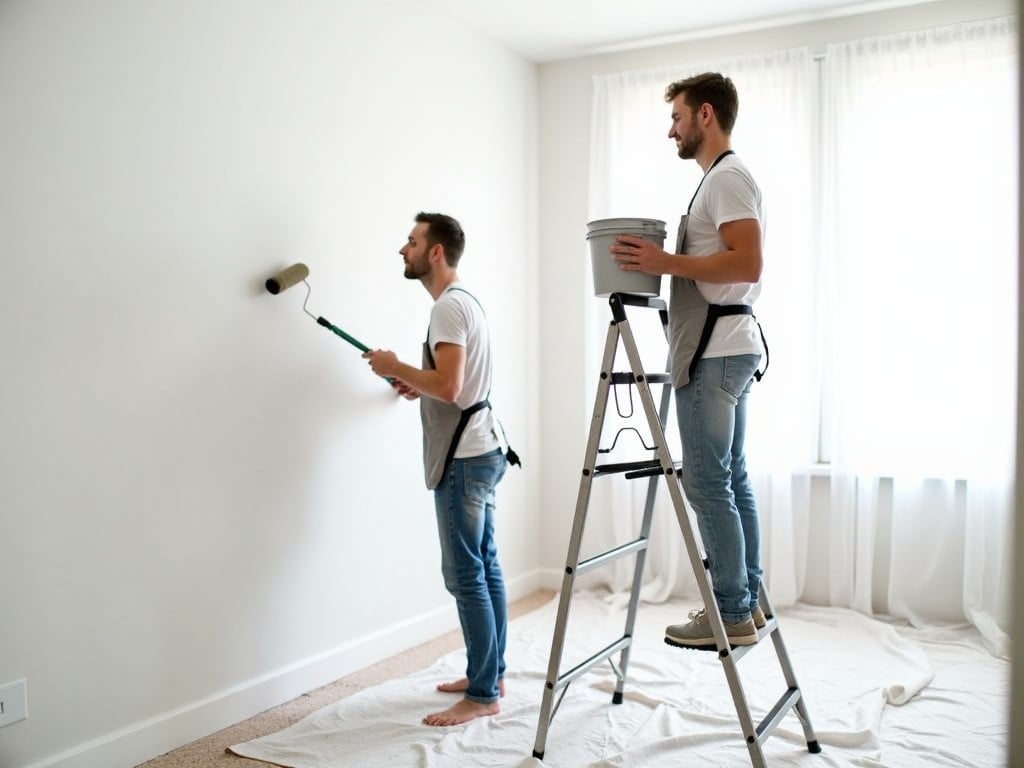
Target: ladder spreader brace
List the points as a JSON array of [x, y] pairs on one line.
[[662, 466]]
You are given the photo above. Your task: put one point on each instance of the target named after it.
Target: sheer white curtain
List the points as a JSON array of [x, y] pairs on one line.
[[889, 171], [635, 172], [920, 158]]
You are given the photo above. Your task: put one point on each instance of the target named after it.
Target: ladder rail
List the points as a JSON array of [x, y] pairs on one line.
[[645, 534], [698, 560], [800, 705], [576, 538]]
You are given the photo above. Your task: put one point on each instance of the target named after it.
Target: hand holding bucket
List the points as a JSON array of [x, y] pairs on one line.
[[608, 277]]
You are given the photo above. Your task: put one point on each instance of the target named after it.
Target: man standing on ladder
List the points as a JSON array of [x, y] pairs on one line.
[[464, 457], [715, 348]]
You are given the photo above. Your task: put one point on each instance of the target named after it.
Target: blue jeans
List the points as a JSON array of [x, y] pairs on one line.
[[712, 413], [469, 561]]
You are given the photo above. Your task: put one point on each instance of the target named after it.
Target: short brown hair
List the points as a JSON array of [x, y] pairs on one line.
[[709, 88], [446, 231]]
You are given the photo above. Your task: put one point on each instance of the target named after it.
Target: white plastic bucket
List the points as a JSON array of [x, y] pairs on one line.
[[608, 277]]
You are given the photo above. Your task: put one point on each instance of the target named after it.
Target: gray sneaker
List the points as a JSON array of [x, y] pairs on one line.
[[696, 633], [758, 616]]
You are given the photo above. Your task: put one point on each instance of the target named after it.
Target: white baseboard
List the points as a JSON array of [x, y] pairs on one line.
[[150, 738], [549, 578]]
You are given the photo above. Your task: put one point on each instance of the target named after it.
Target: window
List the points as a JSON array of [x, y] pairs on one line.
[[890, 174]]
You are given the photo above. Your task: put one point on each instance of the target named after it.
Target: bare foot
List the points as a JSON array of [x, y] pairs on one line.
[[459, 686], [462, 712]]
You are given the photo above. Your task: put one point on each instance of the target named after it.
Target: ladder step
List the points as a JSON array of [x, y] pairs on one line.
[[627, 466], [677, 466], [584, 666], [612, 554], [739, 651], [652, 378], [636, 300], [635, 469], [772, 719]]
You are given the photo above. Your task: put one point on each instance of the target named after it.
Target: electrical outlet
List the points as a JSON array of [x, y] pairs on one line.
[[13, 702]]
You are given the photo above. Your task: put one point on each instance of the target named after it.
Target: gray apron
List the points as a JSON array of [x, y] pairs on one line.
[[443, 424], [687, 314], [691, 319], [440, 422]]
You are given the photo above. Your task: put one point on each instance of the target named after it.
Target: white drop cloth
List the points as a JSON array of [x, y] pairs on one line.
[[878, 695]]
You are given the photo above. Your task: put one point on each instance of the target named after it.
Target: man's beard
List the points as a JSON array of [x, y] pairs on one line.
[[415, 270], [691, 143]]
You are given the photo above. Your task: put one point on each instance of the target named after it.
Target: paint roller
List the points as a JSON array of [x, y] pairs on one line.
[[297, 273]]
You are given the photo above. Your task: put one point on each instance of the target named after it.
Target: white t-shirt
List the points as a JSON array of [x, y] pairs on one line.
[[728, 193], [457, 318]]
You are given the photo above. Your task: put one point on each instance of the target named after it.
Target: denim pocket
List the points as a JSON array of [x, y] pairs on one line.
[[738, 373], [481, 475]]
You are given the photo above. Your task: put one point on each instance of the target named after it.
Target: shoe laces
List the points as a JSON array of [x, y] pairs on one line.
[[698, 615]]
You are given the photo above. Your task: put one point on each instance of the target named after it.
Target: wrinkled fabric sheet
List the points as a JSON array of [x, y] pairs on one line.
[[878, 695]]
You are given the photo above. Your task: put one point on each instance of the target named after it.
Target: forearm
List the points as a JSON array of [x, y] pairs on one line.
[[738, 262], [442, 382], [427, 382], [722, 267]]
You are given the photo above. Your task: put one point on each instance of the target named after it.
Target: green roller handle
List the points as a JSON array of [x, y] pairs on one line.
[[351, 340]]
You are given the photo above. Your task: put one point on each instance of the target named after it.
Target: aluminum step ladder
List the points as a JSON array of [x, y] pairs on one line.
[[655, 469]]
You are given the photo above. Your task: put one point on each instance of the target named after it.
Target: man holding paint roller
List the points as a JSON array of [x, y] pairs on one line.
[[464, 456], [715, 348]]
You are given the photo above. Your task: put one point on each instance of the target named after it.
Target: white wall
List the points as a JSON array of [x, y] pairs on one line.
[[195, 479], [565, 106], [1016, 752], [208, 504]]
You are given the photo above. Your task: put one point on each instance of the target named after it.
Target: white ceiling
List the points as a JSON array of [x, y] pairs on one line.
[[546, 30]]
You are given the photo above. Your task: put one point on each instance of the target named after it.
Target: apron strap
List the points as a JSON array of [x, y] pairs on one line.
[[716, 311], [718, 159], [463, 421], [511, 456]]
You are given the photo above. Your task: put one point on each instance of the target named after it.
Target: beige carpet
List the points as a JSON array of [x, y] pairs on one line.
[[210, 751]]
